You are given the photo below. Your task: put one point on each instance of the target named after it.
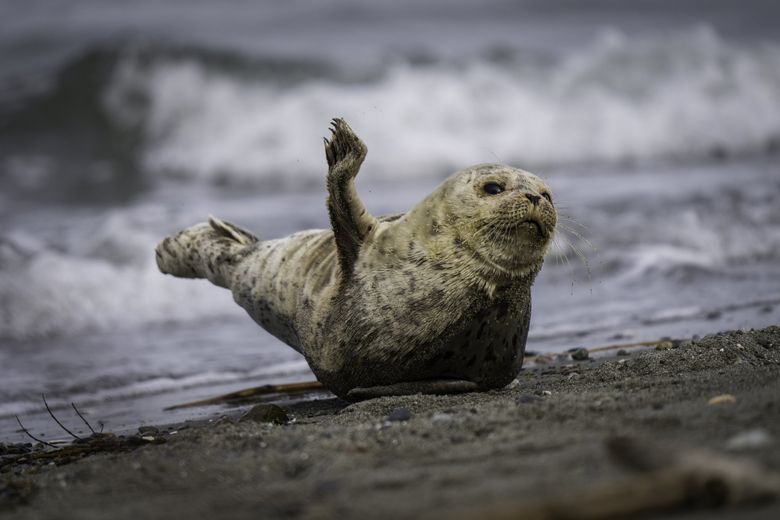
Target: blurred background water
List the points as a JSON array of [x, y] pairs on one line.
[[657, 125]]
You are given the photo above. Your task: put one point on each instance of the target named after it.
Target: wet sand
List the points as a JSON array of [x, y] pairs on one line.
[[544, 436]]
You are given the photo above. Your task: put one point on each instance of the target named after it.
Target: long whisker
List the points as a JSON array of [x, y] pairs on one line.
[[577, 234], [572, 220]]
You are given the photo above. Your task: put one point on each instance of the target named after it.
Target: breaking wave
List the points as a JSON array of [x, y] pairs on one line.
[[189, 115], [109, 281], [618, 100]]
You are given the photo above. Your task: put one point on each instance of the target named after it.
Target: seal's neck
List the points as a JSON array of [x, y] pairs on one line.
[[495, 283]]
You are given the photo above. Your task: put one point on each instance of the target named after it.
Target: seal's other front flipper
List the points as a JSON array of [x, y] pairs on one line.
[[432, 386]]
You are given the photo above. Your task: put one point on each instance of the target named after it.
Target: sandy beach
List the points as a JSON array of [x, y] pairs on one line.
[[438, 456]]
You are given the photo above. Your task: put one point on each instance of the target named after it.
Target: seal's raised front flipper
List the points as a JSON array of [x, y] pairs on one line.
[[204, 251], [350, 221]]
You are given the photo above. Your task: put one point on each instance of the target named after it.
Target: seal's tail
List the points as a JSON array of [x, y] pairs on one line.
[[207, 250]]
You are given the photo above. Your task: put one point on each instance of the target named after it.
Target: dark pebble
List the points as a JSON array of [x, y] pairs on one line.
[[399, 414], [580, 354], [714, 315], [622, 352], [266, 413]]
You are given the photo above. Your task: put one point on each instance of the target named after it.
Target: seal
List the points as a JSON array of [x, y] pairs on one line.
[[435, 300]]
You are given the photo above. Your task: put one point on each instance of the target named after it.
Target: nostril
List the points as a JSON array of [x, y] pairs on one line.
[[533, 198]]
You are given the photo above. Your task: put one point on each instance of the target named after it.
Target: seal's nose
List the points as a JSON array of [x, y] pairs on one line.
[[533, 198]]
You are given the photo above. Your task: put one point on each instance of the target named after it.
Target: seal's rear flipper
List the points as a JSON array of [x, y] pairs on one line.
[[204, 251], [228, 230], [432, 386]]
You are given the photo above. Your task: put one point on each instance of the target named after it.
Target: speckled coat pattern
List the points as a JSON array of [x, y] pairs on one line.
[[434, 300]]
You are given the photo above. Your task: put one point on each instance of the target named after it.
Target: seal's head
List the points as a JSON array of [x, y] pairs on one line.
[[503, 217]]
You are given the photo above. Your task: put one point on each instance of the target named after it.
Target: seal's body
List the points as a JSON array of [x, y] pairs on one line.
[[435, 300]]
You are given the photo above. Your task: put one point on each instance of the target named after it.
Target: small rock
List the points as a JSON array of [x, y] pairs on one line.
[[546, 393], [543, 360], [664, 345], [148, 430], [399, 414], [266, 413], [441, 417], [224, 420], [756, 438], [581, 354], [714, 315], [623, 352], [722, 399]]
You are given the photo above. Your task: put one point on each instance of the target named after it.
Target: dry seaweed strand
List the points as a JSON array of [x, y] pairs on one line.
[[33, 437], [43, 396], [97, 442], [85, 421]]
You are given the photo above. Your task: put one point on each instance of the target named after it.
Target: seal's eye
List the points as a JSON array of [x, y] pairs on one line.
[[492, 188], [547, 196]]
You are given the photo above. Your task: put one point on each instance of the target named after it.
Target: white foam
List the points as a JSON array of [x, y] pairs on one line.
[[619, 99], [108, 281]]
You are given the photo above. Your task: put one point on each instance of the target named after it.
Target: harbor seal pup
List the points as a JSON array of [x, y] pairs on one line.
[[436, 300]]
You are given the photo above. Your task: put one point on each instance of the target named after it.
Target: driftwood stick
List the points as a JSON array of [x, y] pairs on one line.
[[242, 395]]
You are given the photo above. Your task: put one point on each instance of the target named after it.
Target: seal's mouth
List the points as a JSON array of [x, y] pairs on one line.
[[533, 226]]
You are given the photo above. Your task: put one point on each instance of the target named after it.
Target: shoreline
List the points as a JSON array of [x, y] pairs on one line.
[[434, 456]]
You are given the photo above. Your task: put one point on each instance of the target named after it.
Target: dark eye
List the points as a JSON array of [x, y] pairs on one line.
[[491, 188], [547, 196]]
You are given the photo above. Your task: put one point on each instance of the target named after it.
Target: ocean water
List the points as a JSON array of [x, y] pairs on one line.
[[656, 125]]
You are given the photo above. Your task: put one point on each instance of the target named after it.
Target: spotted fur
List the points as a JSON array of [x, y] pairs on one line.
[[435, 300]]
